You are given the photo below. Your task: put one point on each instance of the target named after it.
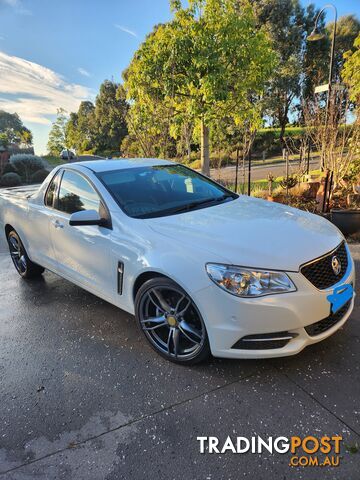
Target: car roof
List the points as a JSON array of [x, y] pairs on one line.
[[121, 163]]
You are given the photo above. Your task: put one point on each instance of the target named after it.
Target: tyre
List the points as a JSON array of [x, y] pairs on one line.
[[171, 322], [24, 266]]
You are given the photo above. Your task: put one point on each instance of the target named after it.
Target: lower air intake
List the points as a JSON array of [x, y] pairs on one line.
[[265, 341]]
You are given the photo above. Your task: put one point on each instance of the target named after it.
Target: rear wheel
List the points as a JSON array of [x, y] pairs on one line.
[[171, 322], [24, 266]]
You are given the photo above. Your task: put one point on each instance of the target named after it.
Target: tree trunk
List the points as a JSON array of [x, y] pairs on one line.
[[205, 157], [282, 133], [283, 119]]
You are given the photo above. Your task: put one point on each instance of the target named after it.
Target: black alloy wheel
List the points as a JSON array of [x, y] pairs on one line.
[[171, 322], [24, 266]]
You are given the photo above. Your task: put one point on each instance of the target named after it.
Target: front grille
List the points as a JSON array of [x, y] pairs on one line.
[[320, 272], [265, 341], [320, 327]]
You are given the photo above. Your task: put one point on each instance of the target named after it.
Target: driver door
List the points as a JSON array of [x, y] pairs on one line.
[[82, 252]]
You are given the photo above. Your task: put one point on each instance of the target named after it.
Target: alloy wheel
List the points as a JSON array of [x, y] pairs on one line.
[[17, 254], [171, 322]]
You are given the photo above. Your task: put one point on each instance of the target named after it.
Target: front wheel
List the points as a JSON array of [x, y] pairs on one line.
[[24, 266], [171, 322]]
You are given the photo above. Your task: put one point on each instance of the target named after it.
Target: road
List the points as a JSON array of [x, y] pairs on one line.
[[83, 397], [227, 174], [259, 172]]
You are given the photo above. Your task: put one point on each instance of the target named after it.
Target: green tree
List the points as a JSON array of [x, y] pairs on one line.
[[284, 20], [4, 141], [317, 54], [86, 127], [110, 116], [15, 131], [72, 133], [57, 134], [149, 124], [347, 29], [211, 57], [351, 71]]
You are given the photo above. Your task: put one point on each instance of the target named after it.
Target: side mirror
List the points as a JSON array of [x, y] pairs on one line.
[[85, 217]]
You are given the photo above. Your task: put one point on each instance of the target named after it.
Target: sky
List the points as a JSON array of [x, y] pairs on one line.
[[56, 53]]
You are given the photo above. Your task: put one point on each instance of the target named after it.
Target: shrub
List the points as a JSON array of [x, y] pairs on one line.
[[9, 168], [10, 179], [259, 192], [39, 176], [26, 165], [196, 164]]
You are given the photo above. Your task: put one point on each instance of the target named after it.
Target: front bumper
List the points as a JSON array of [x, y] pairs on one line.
[[229, 318]]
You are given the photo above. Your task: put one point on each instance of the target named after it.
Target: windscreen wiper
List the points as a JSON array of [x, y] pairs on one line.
[[192, 205]]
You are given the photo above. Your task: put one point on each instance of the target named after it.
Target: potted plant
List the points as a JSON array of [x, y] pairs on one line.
[[347, 216], [348, 221]]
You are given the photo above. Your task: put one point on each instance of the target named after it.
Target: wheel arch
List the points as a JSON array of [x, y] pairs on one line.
[[8, 229], [144, 277]]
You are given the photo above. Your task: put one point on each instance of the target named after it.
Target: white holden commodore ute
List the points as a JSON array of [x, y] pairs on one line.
[[204, 270]]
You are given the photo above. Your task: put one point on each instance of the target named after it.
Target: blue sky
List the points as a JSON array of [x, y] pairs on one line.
[[55, 53]]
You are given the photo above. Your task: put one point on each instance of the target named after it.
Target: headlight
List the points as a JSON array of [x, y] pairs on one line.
[[248, 282]]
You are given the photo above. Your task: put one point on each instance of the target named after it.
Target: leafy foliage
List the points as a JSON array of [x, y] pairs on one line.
[[57, 135], [39, 176], [26, 165], [12, 130], [9, 168], [110, 112], [101, 127], [284, 22], [10, 179], [351, 70], [347, 29], [210, 59]]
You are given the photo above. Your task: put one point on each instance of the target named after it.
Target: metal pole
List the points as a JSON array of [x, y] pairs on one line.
[[287, 174], [237, 169], [330, 188], [331, 67], [331, 60], [249, 174], [325, 191], [308, 158]]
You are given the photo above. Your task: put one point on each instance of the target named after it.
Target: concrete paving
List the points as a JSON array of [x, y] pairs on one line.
[[82, 396]]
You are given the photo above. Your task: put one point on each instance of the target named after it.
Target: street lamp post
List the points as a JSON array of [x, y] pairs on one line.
[[317, 35]]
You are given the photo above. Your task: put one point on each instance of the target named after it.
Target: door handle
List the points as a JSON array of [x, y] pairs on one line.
[[58, 224]]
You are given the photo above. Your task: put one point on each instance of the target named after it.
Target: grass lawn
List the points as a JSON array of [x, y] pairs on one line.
[[52, 160]]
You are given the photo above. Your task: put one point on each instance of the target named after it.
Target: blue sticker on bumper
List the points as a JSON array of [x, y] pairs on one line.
[[340, 296]]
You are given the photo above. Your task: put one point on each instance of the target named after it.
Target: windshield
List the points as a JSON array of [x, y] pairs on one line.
[[156, 191]]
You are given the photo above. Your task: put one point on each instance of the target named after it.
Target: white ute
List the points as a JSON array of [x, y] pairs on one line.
[[203, 269]]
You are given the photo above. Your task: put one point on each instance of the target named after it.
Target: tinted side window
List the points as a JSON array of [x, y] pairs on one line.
[[77, 194], [51, 191]]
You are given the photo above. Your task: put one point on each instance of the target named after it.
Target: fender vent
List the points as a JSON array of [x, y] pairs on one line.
[[120, 277]]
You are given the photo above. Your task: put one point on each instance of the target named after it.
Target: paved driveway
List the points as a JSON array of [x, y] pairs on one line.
[[83, 397]]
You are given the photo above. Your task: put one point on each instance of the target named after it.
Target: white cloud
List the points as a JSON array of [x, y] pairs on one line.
[[126, 30], [36, 92], [84, 72], [11, 3], [17, 5]]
